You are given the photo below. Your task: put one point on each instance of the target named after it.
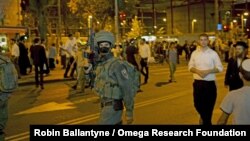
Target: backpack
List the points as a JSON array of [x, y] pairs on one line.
[[8, 75], [134, 74]]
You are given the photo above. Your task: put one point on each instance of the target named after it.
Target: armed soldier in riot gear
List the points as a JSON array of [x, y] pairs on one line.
[[112, 83]]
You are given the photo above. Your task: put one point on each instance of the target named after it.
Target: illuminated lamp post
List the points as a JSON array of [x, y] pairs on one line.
[[193, 21]]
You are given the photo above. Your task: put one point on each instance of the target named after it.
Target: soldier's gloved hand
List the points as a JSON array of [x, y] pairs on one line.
[[130, 120]]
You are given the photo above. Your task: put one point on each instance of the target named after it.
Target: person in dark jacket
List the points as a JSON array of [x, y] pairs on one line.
[[39, 58], [131, 51], [23, 60], [232, 77]]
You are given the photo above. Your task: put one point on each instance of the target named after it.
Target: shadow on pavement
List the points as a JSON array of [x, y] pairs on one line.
[[159, 84]]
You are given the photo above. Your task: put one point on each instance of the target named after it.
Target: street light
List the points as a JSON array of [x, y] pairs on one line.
[[91, 35], [116, 22], [90, 20], [123, 24], [165, 21], [243, 20], [193, 21]]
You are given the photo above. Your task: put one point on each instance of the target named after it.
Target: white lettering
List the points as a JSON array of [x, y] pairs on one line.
[[78, 132], [47, 132], [222, 132], [140, 134], [65, 132], [156, 132]]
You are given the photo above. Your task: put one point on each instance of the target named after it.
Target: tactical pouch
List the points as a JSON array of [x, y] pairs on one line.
[[118, 105], [1, 132]]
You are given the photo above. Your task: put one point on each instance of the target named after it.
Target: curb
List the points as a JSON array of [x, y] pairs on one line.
[[46, 81]]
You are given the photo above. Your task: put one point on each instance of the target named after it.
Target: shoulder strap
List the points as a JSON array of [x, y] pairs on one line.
[[3, 60], [108, 67], [111, 64]]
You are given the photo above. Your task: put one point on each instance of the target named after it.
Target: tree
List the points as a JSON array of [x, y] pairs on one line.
[[108, 26], [37, 8], [2, 17], [136, 29], [100, 9]]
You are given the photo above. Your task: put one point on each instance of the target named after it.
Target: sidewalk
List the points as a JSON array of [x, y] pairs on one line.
[[54, 76]]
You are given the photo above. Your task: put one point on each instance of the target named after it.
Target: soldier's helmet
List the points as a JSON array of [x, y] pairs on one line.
[[105, 36]]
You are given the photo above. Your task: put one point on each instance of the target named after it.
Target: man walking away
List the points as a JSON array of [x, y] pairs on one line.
[[71, 49], [39, 59], [144, 52], [131, 53]]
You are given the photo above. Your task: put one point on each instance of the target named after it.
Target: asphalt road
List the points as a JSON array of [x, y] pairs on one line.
[[160, 103]]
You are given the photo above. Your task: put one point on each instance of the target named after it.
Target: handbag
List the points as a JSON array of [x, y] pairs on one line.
[[45, 69]]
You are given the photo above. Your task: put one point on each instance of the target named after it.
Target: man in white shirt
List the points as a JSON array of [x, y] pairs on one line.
[[144, 52], [15, 53], [63, 55], [204, 63], [237, 102], [71, 49]]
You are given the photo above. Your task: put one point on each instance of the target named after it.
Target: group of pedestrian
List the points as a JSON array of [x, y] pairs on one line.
[[76, 60], [113, 85], [204, 63], [237, 78], [20, 56], [24, 58]]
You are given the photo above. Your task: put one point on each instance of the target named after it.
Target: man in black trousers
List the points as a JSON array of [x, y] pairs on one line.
[[39, 58]]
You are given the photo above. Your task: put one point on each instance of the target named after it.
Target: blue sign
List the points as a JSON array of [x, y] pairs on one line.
[[219, 26]]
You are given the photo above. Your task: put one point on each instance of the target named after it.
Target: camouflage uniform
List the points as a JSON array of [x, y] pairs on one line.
[[112, 85], [4, 97], [3, 112]]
